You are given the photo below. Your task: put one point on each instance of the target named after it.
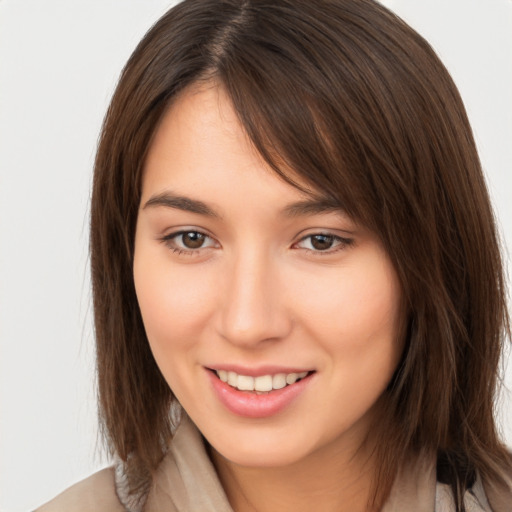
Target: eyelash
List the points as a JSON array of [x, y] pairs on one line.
[[168, 240], [341, 243]]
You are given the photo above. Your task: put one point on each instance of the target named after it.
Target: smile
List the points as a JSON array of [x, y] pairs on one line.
[[263, 383], [259, 396]]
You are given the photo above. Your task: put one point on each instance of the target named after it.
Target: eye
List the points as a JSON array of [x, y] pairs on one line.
[[320, 242], [188, 241]]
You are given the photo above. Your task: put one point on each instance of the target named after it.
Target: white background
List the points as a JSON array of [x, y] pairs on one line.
[[59, 62]]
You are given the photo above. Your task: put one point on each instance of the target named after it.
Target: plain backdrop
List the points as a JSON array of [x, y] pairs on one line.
[[59, 62]]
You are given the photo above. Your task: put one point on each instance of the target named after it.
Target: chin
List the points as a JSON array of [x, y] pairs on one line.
[[262, 447], [260, 458]]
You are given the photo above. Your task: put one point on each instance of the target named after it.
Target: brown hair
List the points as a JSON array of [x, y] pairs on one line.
[[356, 103]]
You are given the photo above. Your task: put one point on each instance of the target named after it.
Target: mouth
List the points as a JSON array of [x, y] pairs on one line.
[[262, 394], [263, 384]]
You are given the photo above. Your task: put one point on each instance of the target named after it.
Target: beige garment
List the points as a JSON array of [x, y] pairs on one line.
[[96, 493], [186, 482]]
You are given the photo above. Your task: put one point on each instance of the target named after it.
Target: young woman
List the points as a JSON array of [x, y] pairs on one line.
[[298, 291]]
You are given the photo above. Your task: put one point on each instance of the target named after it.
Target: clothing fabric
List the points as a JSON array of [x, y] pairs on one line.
[[186, 481]]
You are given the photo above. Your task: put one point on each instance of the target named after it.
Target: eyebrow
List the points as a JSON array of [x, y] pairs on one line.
[[187, 204], [312, 206]]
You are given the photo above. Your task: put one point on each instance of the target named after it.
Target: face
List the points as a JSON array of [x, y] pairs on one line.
[[273, 317]]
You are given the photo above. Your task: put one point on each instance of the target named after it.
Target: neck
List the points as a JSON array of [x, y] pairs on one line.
[[330, 479]]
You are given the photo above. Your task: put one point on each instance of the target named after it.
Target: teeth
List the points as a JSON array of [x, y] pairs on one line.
[[291, 378], [279, 381], [264, 383], [245, 383], [232, 379]]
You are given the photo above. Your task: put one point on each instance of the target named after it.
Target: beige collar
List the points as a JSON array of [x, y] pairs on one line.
[[186, 481]]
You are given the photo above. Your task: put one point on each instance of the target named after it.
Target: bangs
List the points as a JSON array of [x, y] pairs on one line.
[[322, 106]]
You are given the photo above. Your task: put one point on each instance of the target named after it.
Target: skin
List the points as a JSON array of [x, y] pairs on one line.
[[259, 289]]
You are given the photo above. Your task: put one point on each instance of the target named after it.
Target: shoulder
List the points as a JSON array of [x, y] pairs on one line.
[[481, 497], [500, 495], [96, 492]]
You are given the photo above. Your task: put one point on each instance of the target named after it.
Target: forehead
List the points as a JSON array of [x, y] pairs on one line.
[[199, 130], [200, 147]]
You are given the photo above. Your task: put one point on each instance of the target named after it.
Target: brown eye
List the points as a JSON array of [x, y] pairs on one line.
[[322, 242], [193, 239], [188, 242]]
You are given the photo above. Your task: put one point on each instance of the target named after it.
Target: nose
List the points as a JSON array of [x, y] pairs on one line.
[[253, 308]]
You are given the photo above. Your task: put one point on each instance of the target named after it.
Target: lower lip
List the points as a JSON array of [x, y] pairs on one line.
[[252, 405]]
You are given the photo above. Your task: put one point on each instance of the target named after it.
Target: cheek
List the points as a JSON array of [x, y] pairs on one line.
[[174, 304], [359, 305], [355, 317], [174, 308]]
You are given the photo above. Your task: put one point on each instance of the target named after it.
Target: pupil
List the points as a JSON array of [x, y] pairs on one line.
[[322, 242], [193, 240]]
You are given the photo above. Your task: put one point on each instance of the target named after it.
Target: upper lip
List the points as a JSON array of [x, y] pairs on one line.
[[258, 371]]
